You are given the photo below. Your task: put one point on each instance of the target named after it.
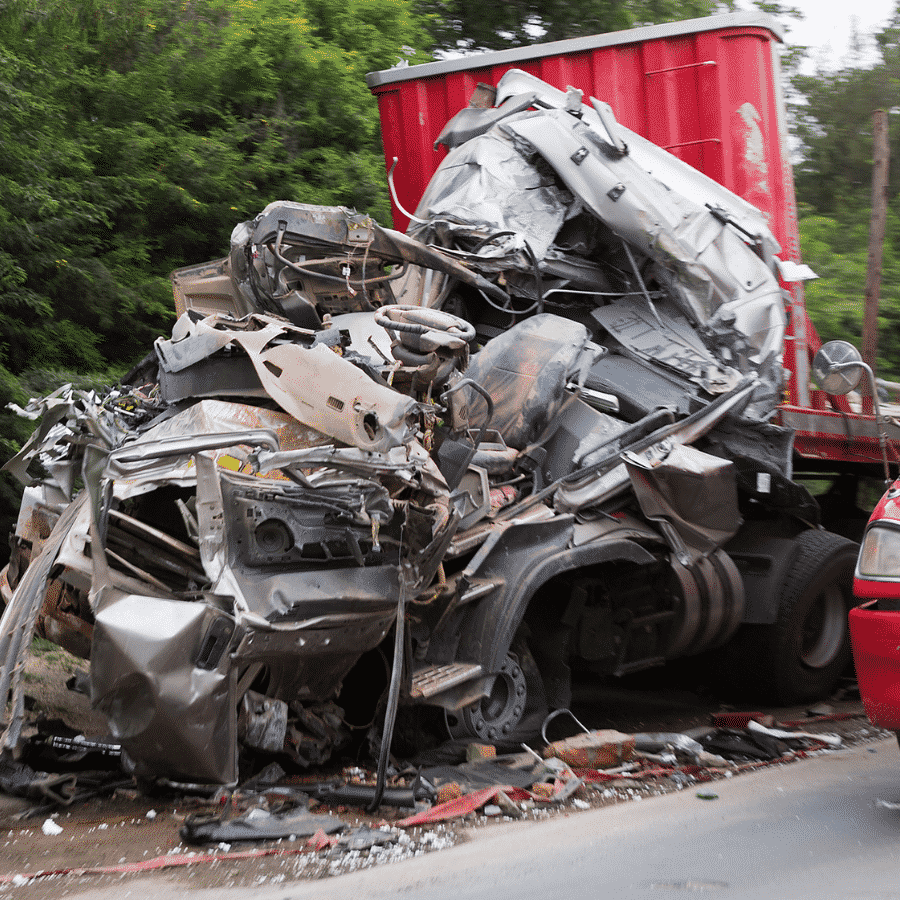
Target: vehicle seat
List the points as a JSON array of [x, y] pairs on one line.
[[525, 370]]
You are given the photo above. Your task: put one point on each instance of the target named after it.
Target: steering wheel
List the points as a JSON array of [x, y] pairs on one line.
[[423, 329]]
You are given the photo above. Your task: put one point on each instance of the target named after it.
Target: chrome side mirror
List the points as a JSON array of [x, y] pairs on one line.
[[838, 367]]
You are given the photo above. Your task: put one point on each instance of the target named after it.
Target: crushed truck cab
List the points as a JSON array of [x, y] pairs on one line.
[[536, 431]]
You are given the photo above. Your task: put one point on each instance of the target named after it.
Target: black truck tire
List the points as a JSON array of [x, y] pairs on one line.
[[801, 656]]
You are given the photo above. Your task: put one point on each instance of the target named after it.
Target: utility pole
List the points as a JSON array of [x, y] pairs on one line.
[[876, 243]]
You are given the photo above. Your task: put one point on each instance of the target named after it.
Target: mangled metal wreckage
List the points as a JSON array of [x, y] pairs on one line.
[[521, 434]]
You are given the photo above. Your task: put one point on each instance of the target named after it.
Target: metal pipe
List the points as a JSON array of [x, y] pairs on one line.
[[879, 424]]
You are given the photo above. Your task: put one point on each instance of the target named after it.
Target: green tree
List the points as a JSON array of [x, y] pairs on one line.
[[838, 253], [833, 112], [50, 198], [469, 25], [136, 133]]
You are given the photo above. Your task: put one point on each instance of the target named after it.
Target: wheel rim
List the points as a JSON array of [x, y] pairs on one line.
[[496, 715], [822, 632]]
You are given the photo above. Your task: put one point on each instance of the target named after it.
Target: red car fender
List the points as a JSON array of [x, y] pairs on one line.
[[875, 637]]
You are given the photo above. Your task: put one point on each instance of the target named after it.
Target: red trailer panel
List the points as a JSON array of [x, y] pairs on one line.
[[708, 90], [703, 89]]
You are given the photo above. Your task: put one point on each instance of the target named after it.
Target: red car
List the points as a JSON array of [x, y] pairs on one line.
[[875, 626]]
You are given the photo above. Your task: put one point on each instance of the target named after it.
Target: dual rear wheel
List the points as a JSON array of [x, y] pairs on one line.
[[798, 658], [801, 656]]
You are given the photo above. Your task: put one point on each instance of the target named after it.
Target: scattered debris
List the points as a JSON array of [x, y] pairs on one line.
[[740, 719], [743, 745], [832, 740], [365, 838], [525, 785], [51, 828], [169, 861], [681, 747], [465, 805], [362, 794], [258, 825], [593, 750], [475, 752], [20, 780]]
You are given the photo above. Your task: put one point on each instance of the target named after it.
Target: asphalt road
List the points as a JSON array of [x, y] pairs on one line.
[[813, 829]]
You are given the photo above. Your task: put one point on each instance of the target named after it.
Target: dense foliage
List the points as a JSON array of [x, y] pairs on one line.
[[141, 131], [474, 25], [833, 121]]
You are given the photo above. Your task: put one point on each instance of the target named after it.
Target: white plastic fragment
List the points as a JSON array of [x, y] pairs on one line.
[[51, 828], [833, 740], [151, 814]]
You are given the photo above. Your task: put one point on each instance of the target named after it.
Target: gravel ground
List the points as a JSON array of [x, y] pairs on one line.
[[130, 828]]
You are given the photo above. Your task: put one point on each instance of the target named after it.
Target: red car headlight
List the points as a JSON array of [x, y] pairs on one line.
[[879, 556]]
